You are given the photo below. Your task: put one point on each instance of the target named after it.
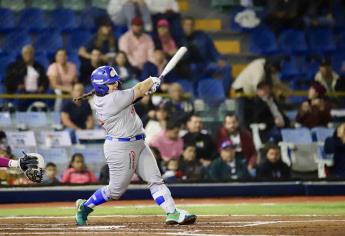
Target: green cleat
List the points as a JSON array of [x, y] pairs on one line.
[[180, 217], [82, 212]]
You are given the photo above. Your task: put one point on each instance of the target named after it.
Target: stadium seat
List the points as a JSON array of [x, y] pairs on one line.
[[263, 42], [341, 41], [321, 41], [103, 4], [297, 136], [293, 42], [63, 20], [43, 4], [74, 57], [7, 20], [32, 19], [338, 61], [42, 59], [186, 85], [5, 120], [211, 91], [14, 5], [289, 68], [14, 41], [309, 67], [33, 120], [21, 139], [75, 5], [76, 39], [48, 41], [5, 60], [58, 156], [54, 139], [55, 118], [321, 133], [89, 16]]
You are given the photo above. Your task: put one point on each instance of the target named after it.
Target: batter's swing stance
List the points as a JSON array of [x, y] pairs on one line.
[[125, 149]]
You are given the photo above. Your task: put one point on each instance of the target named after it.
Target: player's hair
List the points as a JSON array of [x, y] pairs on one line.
[[85, 96]]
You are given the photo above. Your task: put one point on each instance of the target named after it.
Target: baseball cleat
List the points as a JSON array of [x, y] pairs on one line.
[[180, 217], [82, 212]]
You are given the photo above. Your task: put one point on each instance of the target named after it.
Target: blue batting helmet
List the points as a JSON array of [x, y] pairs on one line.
[[102, 76]]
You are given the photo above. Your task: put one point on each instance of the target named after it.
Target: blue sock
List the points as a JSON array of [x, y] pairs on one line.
[[98, 198]]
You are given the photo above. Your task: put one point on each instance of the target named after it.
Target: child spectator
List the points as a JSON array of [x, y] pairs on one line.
[[77, 172], [272, 167], [126, 72], [50, 175], [168, 142], [172, 174], [191, 168], [227, 166], [316, 111], [62, 74]]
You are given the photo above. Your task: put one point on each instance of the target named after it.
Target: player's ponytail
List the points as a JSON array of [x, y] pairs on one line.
[[85, 96]]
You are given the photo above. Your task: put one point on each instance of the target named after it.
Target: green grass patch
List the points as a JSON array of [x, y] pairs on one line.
[[320, 208]]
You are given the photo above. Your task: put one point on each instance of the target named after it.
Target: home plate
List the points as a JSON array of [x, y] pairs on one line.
[[101, 227]]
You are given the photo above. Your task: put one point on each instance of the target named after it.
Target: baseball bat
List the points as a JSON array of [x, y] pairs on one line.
[[173, 61]]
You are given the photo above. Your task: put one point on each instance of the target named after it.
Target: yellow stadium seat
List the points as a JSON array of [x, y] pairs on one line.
[[183, 5], [236, 69], [228, 46], [208, 24]]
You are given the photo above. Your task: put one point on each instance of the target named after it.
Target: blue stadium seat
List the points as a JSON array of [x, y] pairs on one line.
[[263, 42], [338, 61], [211, 91], [32, 119], [186, 85], [321, 133], [5, 60], [7, 20], [14, 41], [309, 67], [48, 41], [293, 42], [42, 59], [5, 120], [76, 39], [58, 156], [88, 17], [321, 41], [341, 41], [297, 136], [63, 20], [32, 19], [73, 57], [289, 68], [14, 5]]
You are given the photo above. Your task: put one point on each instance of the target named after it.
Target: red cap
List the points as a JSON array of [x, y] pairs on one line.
[[137, 21], [162, 22]]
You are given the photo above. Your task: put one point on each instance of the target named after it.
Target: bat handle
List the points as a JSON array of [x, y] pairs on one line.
[[161, 77]]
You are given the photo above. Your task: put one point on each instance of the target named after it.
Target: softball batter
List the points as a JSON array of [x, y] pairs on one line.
[[125, 149]]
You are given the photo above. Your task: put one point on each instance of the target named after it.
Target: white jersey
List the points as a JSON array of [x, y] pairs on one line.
[[117, 115]]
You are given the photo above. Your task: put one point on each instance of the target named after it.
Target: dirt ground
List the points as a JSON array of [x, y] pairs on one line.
[[154, 225]]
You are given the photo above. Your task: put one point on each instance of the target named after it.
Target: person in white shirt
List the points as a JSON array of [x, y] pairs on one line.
[[326, 76]]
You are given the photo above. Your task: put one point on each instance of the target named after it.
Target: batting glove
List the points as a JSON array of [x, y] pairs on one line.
[[156, 83]]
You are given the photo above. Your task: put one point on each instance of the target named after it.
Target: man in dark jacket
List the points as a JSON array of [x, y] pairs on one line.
[[26, 76], [240, 136], [272, 167], [203, 142], [227, 166], [335, 146], [266, 110]]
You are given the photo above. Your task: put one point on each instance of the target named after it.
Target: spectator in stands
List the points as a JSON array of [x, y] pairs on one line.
[[104, 175], [145, 109], [158, 158], [241, 139], [227, 166], [26, 76], [203, 142], [319, 14], [191, 168], [172, 173], [335, 146], [5, 149], [77, 172], [136, 44], [155, 68], [168, 142], [327, 76], [266, 110], [126, 72], [103, 40], [77, 115], [176, 105], [316, 111], [88, 66], [122, 12], [62, 74], [272, 167], [157, 124], [50, 174], [163, 40]]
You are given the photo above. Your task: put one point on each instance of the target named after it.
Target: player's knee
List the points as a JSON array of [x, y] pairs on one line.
[[115, 193]]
